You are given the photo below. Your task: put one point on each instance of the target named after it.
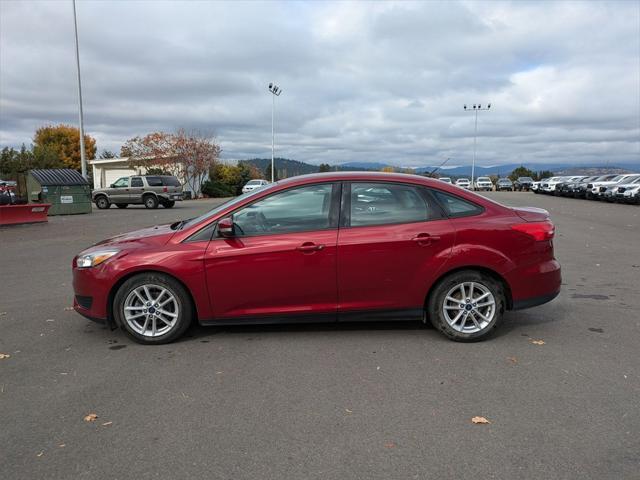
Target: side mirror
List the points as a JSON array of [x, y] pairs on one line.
[[113, 185], [225, 227]]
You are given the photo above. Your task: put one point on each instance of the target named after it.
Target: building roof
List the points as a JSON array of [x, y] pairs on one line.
[[102, 161], [58, 176]]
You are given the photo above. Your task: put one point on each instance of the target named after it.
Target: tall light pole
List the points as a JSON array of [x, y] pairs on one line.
[[83, 158], [475, 109], [276, 91]]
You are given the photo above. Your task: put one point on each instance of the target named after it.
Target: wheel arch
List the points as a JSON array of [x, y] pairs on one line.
[[478, 268], [116, 286]]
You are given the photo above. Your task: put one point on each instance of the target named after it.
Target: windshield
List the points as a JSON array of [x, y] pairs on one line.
[[525, 179], [219, 208], [254, 182], [484, 179]]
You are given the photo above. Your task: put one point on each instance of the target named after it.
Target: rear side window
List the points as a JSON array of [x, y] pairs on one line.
[[455, 206], [170, 181], [136, 182], [154, 181], [387, 203]]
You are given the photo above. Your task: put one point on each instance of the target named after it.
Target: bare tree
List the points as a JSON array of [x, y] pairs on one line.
[[188, 156]]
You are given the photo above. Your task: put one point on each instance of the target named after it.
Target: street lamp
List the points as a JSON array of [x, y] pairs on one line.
[[83, 158], [276, 91], [476, 108]]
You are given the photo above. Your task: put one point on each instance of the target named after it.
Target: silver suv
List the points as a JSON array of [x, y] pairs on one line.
[[147, 190]]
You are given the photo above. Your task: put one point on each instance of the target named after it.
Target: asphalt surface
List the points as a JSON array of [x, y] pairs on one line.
[[365, 401]]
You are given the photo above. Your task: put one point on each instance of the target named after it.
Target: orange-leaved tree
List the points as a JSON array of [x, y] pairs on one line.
[[64, 140]]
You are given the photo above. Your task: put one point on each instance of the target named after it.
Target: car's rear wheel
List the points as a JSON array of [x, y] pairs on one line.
[[466, 306], [102, 202], [150, 201], [122, 205], [153, 308]]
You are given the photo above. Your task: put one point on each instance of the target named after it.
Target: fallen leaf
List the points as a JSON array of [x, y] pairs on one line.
[[389, 445], [377, 368], [106, 424], [348, 411], [62, 445], [512, 359], [40, 454], [91, 417], [50, 320], [68, 309], [537, 342], [2, 313], [4, 355], [480, 420]]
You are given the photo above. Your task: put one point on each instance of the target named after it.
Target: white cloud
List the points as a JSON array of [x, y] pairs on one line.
[[378, 81]]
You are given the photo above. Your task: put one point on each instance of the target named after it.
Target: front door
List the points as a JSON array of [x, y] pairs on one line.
[[119, 191], [392, 245], [281, 261]]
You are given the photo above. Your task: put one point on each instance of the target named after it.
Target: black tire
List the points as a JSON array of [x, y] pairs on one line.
[[102, 202], [150, 201], [122, 205], [436, 301], [185, 312], [169, 204]]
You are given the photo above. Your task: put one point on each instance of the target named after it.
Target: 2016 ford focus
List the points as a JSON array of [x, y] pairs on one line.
[[326, 247]]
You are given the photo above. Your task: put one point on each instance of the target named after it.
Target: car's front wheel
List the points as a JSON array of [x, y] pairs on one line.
[[153, 308], [466, 306], [102, 202]]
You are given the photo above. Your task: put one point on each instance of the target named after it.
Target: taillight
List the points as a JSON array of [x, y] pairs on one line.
[[165, 189], [540, 231]]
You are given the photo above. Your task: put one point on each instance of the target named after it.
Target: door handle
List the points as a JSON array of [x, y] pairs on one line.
[[425, 239], [310, 247]]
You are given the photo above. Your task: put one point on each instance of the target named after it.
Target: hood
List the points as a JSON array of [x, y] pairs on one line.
[[157, 235]]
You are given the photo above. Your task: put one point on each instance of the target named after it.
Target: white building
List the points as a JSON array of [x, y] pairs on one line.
[[108, 170]]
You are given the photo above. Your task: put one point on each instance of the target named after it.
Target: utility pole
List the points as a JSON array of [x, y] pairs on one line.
[[275, 91], [475, 109], [83, 157]]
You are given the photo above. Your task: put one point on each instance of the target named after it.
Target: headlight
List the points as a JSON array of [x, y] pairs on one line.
[[94, 259]]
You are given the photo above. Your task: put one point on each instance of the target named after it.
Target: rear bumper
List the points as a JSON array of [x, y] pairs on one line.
[[534, 284], [534, 301]]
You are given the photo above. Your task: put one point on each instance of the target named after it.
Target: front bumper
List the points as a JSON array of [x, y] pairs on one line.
[[91, 287]]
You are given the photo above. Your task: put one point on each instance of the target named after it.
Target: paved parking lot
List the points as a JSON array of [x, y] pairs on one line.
[[329, 401]]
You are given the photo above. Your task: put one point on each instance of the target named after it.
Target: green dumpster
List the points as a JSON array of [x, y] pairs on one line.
[[65, 189]]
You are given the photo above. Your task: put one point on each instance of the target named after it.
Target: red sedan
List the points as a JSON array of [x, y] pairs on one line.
[[326, 247]]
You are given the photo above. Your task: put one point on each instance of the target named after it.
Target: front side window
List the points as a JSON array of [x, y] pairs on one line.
[[455, 206], [121, 182], [295, 210], [387, 203], [136, 182]]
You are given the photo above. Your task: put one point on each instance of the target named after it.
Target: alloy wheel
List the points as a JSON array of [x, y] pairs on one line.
[[469, 307], [151, 310]]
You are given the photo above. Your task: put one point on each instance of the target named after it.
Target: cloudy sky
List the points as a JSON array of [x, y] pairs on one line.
[[383, 81]]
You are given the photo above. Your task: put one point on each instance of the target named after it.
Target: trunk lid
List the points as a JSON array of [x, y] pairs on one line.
[[531, 214]]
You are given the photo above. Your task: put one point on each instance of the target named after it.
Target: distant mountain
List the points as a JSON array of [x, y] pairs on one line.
[[363, 166], [284, 166], [291, 168]]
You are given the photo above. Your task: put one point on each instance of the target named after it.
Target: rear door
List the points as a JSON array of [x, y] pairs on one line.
[[136, 189], [393, 242]]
